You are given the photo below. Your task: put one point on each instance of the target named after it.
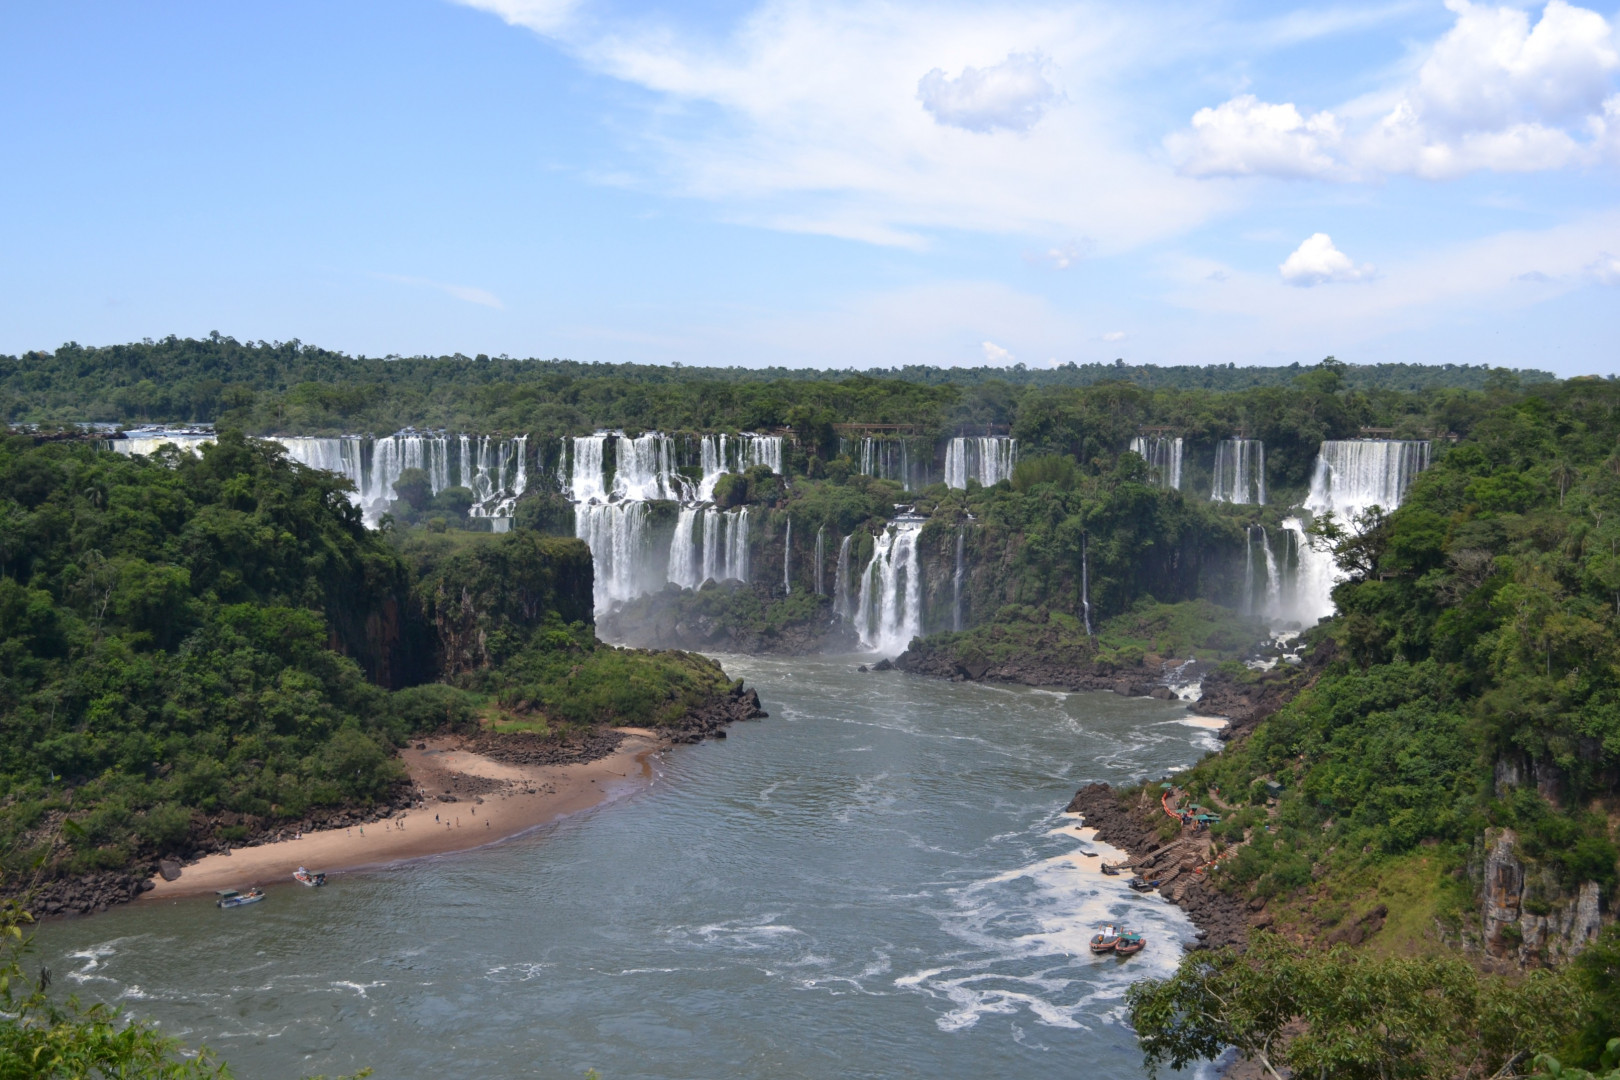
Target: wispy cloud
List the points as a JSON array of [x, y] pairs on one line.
[[469, 293]]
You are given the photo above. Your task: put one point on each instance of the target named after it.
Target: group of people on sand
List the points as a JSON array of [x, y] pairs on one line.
[[457, 825]]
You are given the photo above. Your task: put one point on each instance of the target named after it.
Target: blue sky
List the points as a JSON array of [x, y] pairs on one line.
[[824, 184]]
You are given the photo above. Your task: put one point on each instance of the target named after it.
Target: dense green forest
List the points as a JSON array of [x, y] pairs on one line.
[[195, 647], [294, 388]]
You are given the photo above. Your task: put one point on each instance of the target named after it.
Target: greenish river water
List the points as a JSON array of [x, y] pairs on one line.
[[877, 881]]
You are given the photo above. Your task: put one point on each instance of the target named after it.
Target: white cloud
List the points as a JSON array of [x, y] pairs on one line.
[[1317, 262], [1245, 135], [806, 118], [995, 354], [1605, 269], [1493, 93], [1114, 335], [541, 16], [469, 293], [1012, 95]]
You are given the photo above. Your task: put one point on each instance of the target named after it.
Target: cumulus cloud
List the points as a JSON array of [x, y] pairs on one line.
[[995, 354], [1317, 262], [1010, 96], [1494, 93], [1246, 136], [1114, 335]]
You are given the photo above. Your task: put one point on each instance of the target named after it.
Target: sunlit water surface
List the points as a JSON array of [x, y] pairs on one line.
[[877, 881]]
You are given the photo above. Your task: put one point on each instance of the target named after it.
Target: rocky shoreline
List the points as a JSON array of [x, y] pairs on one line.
[[1221, 919]]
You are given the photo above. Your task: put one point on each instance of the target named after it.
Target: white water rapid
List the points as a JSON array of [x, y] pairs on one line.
[[988, 459], [1355, 474]]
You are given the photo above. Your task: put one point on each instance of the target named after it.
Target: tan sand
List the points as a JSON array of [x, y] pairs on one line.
[[515, 799]]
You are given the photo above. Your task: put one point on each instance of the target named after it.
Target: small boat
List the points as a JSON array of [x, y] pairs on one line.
[[308, 878], [1142, 884], [1129, 944], [1104, 940], [1089, 854], [229, 898], [1111, 871]]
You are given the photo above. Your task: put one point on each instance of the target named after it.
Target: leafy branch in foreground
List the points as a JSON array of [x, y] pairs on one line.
[[1350, 1015]]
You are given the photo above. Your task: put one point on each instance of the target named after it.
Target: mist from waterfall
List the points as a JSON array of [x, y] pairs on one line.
[[989, 459], [1240, 472], [1163, 455], [889, 614]]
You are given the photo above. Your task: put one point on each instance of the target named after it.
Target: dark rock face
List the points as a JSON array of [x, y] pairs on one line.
[[1222, 918], [90, 893], [169, 869]]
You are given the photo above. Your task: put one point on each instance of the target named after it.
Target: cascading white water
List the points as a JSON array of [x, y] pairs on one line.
[[821, 561], [712, 461], [714, 567], [737, 544], [762, 450], [1085, 581], [841, 579], [1163, 455], [1354, 474], [1350, 476], [890, 610], [646, 469], [988, 459], [684, 568], [1240, 472], [787, 560], [956, 582], [494, 469], [616, 535], [149, 440], [588, 478], [887, 458]]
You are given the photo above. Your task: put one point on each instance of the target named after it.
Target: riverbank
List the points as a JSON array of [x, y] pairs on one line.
[[466, 799], [1133, 828]]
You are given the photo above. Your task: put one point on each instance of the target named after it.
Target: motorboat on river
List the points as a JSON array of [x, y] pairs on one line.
[[229, 898], [1104, 940], [309, 878]]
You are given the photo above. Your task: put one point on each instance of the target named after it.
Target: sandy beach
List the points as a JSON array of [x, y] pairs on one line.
[[492, 801]]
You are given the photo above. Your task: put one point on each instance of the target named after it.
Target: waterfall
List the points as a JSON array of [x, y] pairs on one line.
[[888, 459], [787, 560], [494, 469], [1163, 455], [713, 568], [1247, 604], [761, 450], [737, 544], [616, 535], [821, 561], [1354, 474], [588, 480], [712, 462], [890, 611], [841, 579], [645, 468], [684, 568], [1085, 581], [1240, 472], [987, 459], [956, 583]]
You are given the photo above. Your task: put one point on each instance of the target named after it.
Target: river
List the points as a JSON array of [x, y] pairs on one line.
[[876, 881]]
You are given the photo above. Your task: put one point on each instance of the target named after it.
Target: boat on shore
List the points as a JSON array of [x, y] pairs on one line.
[[229, 898], [309, 878], [1141, 884], [1111, 871], [1105, 939]]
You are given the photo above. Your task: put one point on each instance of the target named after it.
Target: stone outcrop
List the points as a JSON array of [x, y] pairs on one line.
[[1510, 885]]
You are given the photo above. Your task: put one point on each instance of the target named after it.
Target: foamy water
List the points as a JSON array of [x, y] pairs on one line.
[[877, 881]]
